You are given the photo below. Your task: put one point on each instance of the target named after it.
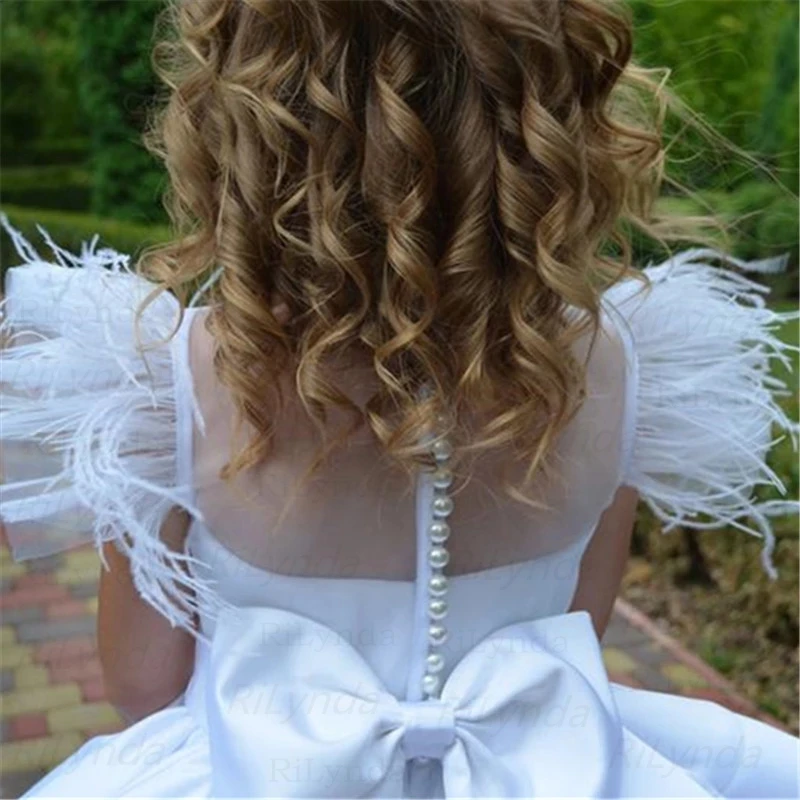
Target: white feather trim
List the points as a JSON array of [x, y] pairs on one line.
[[703, 346], [89, 418]]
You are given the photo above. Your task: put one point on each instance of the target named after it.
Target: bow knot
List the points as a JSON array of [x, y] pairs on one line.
[[429, 728]]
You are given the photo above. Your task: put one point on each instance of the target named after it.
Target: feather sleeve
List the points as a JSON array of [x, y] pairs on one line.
[[90, 412], [705, 395]]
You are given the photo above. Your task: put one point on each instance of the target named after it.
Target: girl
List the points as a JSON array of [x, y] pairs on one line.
[[393, 219]]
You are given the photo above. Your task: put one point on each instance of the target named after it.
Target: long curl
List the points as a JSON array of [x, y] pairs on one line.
[[432, 185]]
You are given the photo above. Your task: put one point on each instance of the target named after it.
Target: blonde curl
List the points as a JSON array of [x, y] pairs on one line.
[[429, 184]]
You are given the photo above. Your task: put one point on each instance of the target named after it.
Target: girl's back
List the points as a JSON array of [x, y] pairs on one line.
[[277, 517]]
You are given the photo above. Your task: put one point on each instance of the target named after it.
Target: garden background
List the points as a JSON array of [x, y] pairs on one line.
[[76, 87]]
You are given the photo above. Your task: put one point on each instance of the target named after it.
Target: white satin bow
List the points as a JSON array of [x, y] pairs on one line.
[[527, 712]]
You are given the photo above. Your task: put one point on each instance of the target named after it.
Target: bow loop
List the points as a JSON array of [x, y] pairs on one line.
[[527, 694]]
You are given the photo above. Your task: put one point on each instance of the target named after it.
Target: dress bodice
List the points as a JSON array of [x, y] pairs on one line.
[[377, 616], [522, 562]]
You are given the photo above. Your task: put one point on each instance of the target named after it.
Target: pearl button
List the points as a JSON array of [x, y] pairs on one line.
[[437, 585], [442, 449], [442, 478], [442, 506], [434, 663], [437, 609], [437, 634], [439, 531], [430, 684], [438, 557]]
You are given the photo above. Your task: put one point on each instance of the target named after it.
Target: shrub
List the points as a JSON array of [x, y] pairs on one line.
[[67, 151], [23, 75], [118, 87], [39, 103]]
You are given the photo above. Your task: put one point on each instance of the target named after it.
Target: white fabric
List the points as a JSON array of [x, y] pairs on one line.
[[385, 620], [530, 711], [280, 706]]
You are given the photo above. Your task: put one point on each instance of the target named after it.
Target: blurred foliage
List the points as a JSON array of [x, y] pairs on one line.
[[735, 63], [763, 217], [41, 76], [117, 90], [77, 88], [58, 186]]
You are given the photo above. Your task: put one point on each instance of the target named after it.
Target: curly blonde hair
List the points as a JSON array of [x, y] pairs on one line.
[[431, 184]]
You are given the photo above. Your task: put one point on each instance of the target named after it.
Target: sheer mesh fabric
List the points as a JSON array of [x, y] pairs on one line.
[[355, 517]]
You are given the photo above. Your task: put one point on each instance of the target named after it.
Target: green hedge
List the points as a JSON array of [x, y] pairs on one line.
[[64, 151], [42, 118], [58, 187], [69, 230], [117, 90]]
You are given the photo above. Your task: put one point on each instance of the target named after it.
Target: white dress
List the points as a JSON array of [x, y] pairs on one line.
[[315, 686]]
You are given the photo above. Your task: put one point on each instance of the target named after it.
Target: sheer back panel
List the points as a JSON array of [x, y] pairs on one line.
[[354, 518]]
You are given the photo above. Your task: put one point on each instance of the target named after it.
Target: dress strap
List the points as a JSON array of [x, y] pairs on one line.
[[630, 399], [187, 411]]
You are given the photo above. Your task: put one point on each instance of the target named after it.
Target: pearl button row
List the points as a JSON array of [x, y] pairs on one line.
[[438, 557]]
